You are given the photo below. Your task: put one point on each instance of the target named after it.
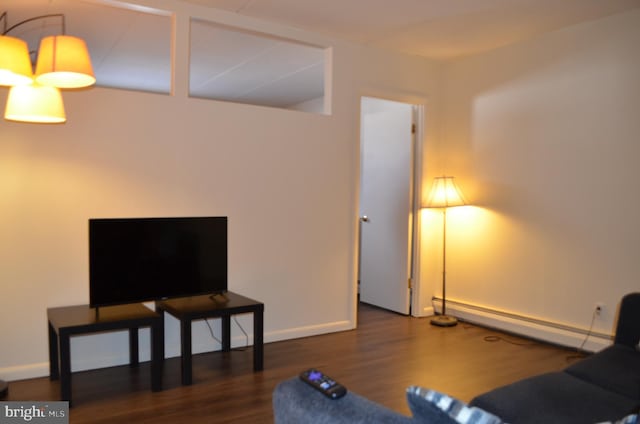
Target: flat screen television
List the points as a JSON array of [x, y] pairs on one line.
[[135, 260]]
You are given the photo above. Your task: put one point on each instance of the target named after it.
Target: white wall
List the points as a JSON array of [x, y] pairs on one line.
[[287, 180], [545, 139]]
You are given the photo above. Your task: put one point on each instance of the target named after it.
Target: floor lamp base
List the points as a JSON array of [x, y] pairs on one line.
[[444, 321], [4, 389]]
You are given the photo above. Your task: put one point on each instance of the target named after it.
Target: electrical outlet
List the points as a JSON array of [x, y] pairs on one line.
[[599, 307]]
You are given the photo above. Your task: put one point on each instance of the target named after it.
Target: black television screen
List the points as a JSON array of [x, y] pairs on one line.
[[143, 259]]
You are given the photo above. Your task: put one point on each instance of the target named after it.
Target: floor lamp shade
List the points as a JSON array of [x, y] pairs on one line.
[[35, 103], [64, 62], [444, 194], [15, 63]]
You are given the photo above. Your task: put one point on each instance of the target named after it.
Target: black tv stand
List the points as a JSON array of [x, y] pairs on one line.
[[4, 389], [189, 309], [68, 321]]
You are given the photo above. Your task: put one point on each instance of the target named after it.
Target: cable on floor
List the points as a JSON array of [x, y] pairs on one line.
[[494, 339]]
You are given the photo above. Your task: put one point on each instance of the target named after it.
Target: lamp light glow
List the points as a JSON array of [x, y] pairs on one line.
[[64, 62], [36, 104], [444, 194], [15, 63]]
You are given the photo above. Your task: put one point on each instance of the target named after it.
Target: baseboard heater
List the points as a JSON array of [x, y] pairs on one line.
[[536, 328]]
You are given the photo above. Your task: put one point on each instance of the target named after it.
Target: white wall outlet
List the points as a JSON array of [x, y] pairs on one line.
[[599, 307]]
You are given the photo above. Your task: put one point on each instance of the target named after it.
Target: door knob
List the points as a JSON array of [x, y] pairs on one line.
[[364, 218]]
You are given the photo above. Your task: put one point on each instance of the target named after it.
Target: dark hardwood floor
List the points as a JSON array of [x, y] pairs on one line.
[[386, 354]]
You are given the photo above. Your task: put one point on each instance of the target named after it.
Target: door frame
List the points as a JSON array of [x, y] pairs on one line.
[[419, 106], [418, 152]]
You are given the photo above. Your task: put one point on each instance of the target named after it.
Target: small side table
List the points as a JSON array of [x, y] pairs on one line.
[[4, 389], [68, 321], [193, 308]]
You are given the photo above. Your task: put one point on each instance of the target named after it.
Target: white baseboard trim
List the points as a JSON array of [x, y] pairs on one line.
[[535, 328], [309, 330], [24, 372], [37, 370]]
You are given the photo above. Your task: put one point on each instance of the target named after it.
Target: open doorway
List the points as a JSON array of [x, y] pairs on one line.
[[387, 209]]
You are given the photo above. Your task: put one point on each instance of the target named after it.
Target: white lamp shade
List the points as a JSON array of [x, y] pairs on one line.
[[35, 103], [444, 194], [64, 62], [15, 63]]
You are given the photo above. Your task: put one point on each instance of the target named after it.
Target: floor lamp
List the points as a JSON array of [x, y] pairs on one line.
[[444, 194]]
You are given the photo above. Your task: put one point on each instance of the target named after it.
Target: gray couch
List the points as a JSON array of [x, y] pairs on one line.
[[603, 387]]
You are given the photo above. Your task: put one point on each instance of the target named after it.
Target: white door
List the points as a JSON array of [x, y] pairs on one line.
[[386, 202]]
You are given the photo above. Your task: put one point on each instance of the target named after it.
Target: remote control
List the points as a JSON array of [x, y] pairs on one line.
[[327, 386], [219, 298]]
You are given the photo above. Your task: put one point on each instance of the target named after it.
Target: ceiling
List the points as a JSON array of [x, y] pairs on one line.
[[438, 29], [131, 49]]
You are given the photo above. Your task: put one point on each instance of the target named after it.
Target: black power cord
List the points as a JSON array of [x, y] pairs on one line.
[[593, 320], [580, 353], [494, 339], [246, 336]]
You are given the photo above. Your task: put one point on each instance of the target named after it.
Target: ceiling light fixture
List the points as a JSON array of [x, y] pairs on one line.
[[62, 62], [15, 65], [35, 103]]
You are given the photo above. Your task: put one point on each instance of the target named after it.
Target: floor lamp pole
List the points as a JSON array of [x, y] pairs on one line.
[[443, 320]]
